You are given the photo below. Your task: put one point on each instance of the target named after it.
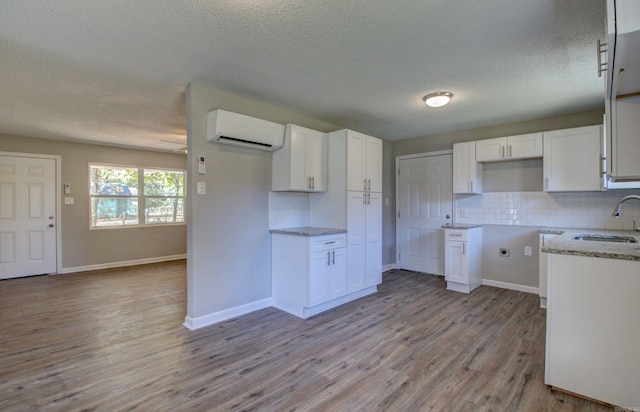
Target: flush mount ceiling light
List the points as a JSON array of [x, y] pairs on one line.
[[437, 99]]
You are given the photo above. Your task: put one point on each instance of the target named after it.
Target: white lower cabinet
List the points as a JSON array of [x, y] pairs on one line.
[[542, 268], [327, 275], [364, 239], [593, 328], [463, 259], [309, 273]]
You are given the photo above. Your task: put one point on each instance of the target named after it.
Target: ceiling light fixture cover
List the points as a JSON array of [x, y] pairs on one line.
[[437, 99]]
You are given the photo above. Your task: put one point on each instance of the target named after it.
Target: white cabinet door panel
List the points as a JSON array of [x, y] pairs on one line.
[[374, 164], [572, 159], [373, 232]]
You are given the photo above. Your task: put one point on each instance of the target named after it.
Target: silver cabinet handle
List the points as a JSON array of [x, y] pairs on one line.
[[464, 248], [510, 151], [365, 185], [330, 243], [333, 257], [328, 258], [313, 182], [308, 182], [369, 188], [502, 147], [455, 235]]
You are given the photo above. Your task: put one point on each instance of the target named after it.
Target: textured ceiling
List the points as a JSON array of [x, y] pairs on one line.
[[116, 71]]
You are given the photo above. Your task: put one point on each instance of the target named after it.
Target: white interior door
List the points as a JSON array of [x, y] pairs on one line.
[[426, 203], [28, 239]]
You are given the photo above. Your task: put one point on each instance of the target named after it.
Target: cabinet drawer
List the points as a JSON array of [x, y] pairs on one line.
[[456, 234], [317, 243]]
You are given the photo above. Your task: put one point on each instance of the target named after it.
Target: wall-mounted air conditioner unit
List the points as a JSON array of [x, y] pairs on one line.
[[245, 131]]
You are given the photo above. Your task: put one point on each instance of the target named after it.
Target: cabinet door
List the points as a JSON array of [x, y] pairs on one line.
[[543, 265], [297, 158], [338, 271], [491, 149], [373, 234], [467, 173], [524, 146], [356, 158], [625, 144], [456, 262], [356, 241], [316, 160], [319, 277], [374, 163], [572, 160]]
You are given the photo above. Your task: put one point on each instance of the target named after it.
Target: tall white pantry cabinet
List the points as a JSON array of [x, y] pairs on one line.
[[354, 201]]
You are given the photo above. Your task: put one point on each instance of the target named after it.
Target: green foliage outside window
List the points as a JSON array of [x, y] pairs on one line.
[[118, 196]]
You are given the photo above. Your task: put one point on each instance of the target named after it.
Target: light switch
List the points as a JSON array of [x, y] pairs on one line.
[[201, 188], [67, 189], [68, 200], [528, 251]]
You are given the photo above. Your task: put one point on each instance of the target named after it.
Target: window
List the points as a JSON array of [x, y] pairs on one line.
[[128, 196]]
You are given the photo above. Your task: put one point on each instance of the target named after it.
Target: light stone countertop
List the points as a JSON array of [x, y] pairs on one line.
[[461, 226], [565, 244], [308, 231]]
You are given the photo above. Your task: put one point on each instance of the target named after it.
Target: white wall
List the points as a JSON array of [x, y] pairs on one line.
[[228, 240]]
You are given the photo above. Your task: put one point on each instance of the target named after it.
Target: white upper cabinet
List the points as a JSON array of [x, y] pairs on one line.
[[301, 164], [573, 160], [467, 173], [364, 162], [512, 147], [622, 90]]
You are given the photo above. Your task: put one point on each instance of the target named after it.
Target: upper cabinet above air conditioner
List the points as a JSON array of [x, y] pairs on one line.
[[509, 148], [301, 165]]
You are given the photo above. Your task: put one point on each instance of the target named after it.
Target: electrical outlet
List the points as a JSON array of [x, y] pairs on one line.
[[528, 251], [504, 252]]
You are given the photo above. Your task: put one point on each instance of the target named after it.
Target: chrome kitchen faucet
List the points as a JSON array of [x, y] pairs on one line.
[[616, 211]]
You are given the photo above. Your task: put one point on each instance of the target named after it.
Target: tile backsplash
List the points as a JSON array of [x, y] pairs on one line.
[[571, 210], [288, 209]]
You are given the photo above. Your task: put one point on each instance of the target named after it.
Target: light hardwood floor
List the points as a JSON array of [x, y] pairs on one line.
[[113, 340]]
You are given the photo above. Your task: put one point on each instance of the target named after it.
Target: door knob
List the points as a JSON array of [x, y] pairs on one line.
[[51, 217], [448, 217], [51, 225]]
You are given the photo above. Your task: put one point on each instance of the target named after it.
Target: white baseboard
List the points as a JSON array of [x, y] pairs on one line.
[[390, 266], [210, 319], [340, 301], [122, 263], [512, 286]]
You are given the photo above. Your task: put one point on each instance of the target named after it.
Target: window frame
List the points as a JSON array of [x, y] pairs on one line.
[[141, 197]]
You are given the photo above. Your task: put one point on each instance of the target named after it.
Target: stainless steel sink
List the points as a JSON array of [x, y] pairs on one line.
[[606, 238]]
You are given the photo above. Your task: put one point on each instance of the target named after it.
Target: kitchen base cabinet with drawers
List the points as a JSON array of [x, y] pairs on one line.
[[463, 259], [309, 273]]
